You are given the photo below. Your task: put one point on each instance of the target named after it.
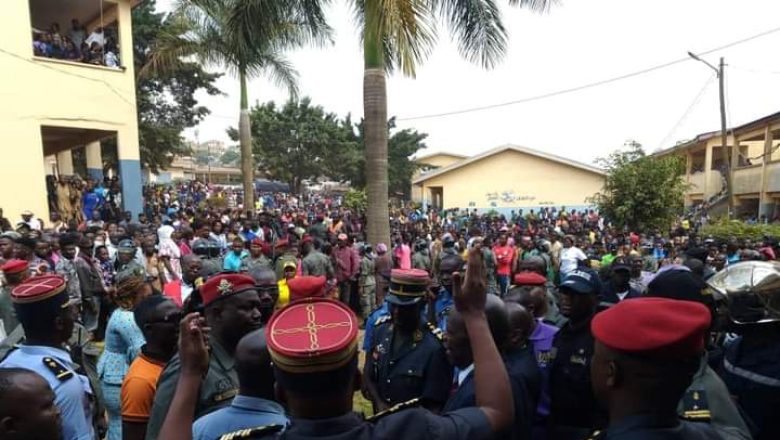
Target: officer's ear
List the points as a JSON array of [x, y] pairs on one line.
[[614, 374]]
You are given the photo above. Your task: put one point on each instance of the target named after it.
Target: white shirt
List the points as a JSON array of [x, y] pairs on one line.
[[570, 257], [186, 291], [464, 373], [34, 224], [96, 37], [622, 295]]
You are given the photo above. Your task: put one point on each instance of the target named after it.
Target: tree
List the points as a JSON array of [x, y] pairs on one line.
[[248, 38], [641, 192], [300, 142], [399, 35], [166, 100], [230, 157], [402, 145]]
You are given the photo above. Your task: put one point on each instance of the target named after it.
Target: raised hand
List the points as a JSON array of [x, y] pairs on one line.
[[470, 291], [193, 344]]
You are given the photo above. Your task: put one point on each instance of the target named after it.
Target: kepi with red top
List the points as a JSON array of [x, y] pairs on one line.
[[529, 279], [40, 289], [307, 287], [312, 335], [14, 266], [223, 286], [660, 328]]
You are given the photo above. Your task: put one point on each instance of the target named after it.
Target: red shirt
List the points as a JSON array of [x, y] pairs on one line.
[[504, 256]]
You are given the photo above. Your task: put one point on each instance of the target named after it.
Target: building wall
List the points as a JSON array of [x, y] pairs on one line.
[[511, 179], [36, 92], [437, 160]]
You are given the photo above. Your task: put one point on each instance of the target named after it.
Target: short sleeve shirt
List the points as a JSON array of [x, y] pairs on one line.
[[139, 387]]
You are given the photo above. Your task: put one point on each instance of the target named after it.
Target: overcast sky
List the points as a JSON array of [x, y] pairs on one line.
[[576, 43]]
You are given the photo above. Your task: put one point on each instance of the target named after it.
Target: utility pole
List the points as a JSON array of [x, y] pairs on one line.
[[725, 156]]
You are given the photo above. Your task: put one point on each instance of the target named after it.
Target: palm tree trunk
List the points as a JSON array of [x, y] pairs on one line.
[[245, 139], [375, 125]]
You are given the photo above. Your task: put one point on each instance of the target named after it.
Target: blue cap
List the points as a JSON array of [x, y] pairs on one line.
[[582, 281]]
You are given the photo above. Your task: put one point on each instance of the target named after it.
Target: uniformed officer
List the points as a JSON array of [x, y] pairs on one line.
[[421, 258], [449, 262], [707, 400], [751, 365], [232, 308], [285, 254], [641, 375], [315, 263], [14, 271], [574, 411], [407, 359], [48, 316], [209, 252], [254, 405]]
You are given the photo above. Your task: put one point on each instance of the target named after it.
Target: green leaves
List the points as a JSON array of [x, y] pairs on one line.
[[641, 192]]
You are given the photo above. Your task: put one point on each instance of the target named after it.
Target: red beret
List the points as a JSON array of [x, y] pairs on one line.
[[281, 243], [306, 287], [222, 286], [40, 288], [14, 266], [312, 335], [257, 241], [529, 279], [660, 327]]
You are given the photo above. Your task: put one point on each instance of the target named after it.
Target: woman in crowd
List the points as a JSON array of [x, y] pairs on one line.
[[123, 342], [218, 234]]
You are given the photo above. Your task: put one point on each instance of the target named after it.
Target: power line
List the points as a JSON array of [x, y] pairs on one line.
[[592, 84], [688, 111]]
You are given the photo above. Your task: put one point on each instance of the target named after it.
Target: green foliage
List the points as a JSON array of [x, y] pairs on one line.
[[725, 229], [166, 100], [401, 146], [215, 202], [356, 200], [300, 141], [641, 192], [230, 157]]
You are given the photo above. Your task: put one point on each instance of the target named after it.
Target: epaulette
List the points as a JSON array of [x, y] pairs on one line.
[[597, 434], [382, 320], [394, 409], [436, 331], [259, 432], [60, 372], [695, 406]]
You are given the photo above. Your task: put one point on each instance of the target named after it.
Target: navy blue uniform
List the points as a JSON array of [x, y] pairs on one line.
[[610, 296], [751, 372], [652, 427], [419, 369], [574, 411]]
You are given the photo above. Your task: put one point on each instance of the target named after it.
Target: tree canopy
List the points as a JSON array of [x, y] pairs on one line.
[[301, 141], [641, 192], [166, 99]]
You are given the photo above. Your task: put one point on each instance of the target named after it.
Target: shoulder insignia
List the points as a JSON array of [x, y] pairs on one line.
[[60, 371], [259, 432], [696, 408], [436, 331], [597, 434], [383, 319], [229, 394], [394, 409]]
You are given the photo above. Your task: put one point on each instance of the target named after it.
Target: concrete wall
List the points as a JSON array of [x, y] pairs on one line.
[[439, 160], [512, 179], [35, 92]]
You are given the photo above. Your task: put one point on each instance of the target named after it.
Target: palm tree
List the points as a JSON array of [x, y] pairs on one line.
[[247, 38], [399, 34]]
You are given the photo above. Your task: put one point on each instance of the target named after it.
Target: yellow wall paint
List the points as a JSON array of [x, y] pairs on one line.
[[36, 92], [534, 181]]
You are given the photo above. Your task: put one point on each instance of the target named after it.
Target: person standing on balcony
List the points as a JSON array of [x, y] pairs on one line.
[[77, 33]]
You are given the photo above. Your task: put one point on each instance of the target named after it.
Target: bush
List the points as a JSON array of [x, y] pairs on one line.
[[356, 200], [725, 229]]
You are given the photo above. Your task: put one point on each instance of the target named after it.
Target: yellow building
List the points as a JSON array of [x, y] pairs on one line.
[[507, 178], [51, 106], [185, 168], [431, 162], [755, 170]]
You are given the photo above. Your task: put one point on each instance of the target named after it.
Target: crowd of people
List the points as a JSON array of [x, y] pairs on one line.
[[546, 324], [98, 47]]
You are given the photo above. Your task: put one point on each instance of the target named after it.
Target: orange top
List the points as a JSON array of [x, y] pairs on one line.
[[139, 387]]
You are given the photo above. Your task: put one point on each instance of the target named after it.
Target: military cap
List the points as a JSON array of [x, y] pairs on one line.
[[529, 279], [14, 267], [306, 287], [126, 246], [661, 328], [407, 286], [677, 284], [225, 285], [312, 335], [41, 289], [283, 243], [582, 281]]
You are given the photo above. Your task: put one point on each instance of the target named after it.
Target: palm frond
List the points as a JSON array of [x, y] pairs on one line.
[[477, 27], [535, 5], [408, 30], [277, 68]]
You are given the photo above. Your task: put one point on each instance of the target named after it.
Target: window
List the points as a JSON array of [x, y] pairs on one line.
[[82, 31]]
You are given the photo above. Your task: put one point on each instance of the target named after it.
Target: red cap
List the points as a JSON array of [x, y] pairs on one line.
[[39, 288], [14, 266], [312, 335], [660, 327], [222, 286], [257, 241], [281, 243], [306, 287], [529, 279]]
